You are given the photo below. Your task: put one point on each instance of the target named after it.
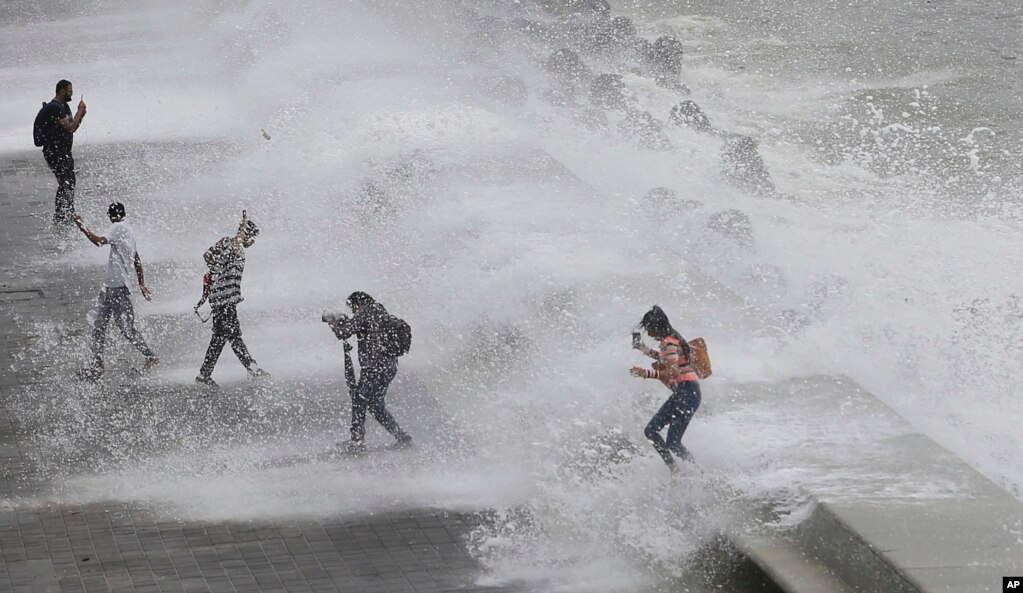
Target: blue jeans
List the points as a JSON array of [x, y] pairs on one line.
[[675, 414]]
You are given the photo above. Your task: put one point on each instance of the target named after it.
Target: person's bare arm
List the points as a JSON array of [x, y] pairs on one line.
[[97, 240], [240, 235], [142, 278], [71, 124]]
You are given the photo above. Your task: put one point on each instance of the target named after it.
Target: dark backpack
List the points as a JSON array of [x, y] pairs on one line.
[[397, 336], [39, 128]]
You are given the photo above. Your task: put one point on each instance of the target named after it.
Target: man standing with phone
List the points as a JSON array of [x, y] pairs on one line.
[[54, 131]]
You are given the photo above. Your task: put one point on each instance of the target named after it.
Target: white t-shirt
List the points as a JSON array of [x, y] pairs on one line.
[[121, 265]]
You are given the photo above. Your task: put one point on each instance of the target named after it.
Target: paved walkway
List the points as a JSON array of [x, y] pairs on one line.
[[116, 546]]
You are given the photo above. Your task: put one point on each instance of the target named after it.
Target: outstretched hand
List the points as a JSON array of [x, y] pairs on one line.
[[239, 237], [637, 372]]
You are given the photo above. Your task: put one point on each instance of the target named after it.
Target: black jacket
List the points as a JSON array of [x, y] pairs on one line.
[[366, 326], [57, 140]]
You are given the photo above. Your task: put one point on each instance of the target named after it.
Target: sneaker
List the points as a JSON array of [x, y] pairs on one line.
[[258, 373], [150, 363], [674, 469], [207, 381], [683, 454], [352, 447], [402, 444], [92, 373]]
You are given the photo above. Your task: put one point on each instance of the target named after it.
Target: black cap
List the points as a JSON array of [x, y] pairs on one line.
[[116, 211]]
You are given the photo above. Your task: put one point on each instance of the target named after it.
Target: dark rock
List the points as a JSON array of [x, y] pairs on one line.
[[666, 56], [641, 49], [733, 224], [642, 127], [609, 91], [661, 197], [622, 28], [667, 198], [567, 67], [742, 166], [688, 114], [613, 35]]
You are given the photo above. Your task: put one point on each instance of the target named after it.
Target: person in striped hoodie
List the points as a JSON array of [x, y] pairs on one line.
[[673, 368], [226, 262]]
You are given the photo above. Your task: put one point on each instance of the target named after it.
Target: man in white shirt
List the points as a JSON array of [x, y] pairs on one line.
[[114, 299]]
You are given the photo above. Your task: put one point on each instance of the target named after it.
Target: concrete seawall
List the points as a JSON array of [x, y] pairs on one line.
[[889, 535]]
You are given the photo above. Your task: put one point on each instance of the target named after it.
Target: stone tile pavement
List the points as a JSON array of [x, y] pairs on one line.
[[117, 546]]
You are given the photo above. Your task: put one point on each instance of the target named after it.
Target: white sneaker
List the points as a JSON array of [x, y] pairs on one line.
[[258, 373], [352, 447]]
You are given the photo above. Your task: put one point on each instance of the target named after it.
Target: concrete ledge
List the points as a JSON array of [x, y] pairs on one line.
[[786, 565], [886, 536], [963, 545]]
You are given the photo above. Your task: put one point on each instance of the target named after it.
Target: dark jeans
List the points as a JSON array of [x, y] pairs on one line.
[[369, 397], [226, 329], [675, 414], [63, 167], [116, 302]]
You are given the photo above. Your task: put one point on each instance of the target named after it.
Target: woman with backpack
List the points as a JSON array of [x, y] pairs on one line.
[[382, 338], [673, 367]]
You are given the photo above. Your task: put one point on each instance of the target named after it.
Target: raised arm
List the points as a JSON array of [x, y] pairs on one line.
[[97, 240], [239, 237], [71, 124]]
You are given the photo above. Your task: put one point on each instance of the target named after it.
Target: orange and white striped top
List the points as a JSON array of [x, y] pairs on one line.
[[672, 356]]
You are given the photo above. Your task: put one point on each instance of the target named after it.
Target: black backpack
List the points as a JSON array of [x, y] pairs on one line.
[[39, 129], [397, 336]]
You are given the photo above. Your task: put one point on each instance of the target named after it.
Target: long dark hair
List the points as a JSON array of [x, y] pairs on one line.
[[655, 322], [359, 299]]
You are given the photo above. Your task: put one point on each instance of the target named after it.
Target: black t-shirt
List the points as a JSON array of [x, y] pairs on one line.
[[57, 139]]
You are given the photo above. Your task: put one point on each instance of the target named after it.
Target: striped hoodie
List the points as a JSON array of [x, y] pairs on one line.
[[226, 261], [672, 364]]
